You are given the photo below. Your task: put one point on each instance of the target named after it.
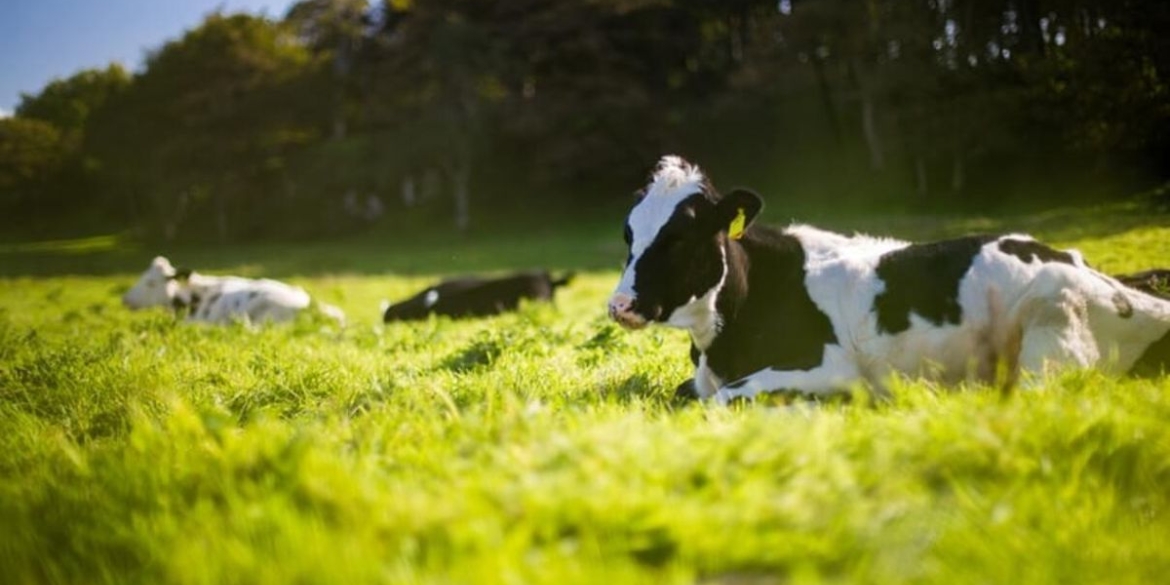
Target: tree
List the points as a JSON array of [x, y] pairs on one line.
[[68, 103], [203, 132], [334, 29], [32, 153]]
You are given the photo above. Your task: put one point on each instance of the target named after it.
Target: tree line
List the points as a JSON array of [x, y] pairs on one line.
[[344, 113]]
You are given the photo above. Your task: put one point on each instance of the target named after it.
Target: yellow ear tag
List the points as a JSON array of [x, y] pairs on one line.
[[735, 232]]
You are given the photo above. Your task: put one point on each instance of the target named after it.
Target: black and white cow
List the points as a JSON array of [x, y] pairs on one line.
[[473, 296], [220, 299], [813, 312]]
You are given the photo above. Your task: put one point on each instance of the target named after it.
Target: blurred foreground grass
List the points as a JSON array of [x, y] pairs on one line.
[[538, 447]]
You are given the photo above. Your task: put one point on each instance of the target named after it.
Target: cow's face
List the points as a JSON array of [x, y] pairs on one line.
[[155, 288], [676, 234]]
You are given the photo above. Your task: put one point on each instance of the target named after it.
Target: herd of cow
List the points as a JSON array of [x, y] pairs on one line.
[[795, 310], [227, 299]]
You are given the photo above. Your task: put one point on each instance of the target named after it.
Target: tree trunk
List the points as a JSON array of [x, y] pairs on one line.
[[408, 193], [1028, 19], [877, 157], [221, 219], [920, 177], [958, 173], [873, 141], [827, 98], [461, 177], [341, 67]]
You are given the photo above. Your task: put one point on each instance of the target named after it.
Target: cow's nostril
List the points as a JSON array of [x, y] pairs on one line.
[[621, 303]]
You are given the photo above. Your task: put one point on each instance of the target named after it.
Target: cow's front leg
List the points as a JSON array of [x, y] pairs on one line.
[[834, 376]]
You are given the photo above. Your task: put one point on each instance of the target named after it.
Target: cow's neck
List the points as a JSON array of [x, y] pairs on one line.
[[700, 318], [733, 293], [705, 316]]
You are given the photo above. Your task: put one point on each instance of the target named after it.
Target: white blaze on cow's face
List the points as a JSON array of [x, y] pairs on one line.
[[675, 235], [155, 288]]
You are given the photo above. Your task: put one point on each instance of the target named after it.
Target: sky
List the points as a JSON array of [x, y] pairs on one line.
[[45, 39]]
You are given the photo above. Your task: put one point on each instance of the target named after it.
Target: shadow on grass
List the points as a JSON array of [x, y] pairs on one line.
[[586, 245], [581, 248]]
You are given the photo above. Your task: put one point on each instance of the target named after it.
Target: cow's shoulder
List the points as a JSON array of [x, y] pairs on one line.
[[768, 317], [825, 247]]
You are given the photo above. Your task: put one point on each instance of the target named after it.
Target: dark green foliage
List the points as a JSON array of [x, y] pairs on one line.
[[350, 114]]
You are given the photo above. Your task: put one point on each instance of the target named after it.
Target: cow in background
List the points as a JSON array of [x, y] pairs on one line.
[[472, 296], [220, 299]]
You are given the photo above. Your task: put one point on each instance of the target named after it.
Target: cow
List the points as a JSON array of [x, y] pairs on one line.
[[220, 299], [1155, 282], [473, 296], [808, 312]]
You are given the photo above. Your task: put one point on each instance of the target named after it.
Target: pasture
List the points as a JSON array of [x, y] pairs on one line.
[[536, 447]]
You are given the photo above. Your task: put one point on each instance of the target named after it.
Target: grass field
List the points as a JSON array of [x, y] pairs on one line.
[[538, 447]]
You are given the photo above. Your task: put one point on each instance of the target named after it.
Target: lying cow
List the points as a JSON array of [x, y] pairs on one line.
[[220, 299], [812, 312], [471, 296], [1155, 282]]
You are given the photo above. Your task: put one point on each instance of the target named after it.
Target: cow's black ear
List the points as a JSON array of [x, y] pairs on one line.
[[737, 210], [182, 274]]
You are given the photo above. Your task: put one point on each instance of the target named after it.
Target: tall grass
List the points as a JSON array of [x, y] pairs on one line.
[[538, 447]]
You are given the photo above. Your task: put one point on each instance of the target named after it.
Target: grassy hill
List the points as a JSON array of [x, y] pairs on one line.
[[537, 447]]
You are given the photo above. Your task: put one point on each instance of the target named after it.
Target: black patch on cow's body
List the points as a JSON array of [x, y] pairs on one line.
[[1122, 304], [477, 297], [1030, 250], [185, 308], [769, 319], [1154, 282], [1155, 360], [686, 392], [924, 279]]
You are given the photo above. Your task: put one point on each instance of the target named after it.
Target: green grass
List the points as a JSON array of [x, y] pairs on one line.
[[537, 447]]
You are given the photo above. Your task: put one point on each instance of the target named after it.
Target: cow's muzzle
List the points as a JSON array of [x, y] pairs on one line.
[[621, 309]]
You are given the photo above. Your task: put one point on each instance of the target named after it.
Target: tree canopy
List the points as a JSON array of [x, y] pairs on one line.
[[347, 112]]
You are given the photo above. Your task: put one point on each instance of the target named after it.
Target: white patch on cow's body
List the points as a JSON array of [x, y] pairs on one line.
[[706, 382], [836, 373], [431, 298], [699, 315]]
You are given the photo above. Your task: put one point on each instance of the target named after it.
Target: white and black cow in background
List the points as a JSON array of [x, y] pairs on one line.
[[221, 299], [811, 312]]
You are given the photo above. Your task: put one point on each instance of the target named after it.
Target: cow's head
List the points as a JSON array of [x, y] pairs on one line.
[[157, 287], [677, 233]]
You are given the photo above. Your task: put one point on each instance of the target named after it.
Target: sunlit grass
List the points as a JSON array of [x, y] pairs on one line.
[[537, 447], [88, 245]]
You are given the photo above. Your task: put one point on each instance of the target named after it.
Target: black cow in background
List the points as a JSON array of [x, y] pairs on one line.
[[473, 296], [1154, 282]]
